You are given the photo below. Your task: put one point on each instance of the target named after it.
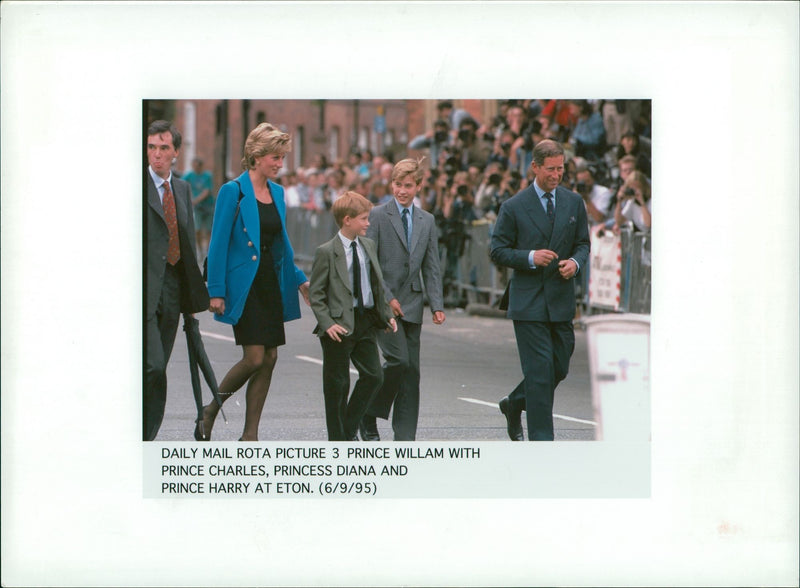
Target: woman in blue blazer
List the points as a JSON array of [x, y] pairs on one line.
[[253, 281]]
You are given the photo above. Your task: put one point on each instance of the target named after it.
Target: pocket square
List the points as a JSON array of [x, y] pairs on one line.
[[572, 220]]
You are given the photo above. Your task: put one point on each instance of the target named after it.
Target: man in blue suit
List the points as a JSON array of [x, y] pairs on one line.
[[542, 233]]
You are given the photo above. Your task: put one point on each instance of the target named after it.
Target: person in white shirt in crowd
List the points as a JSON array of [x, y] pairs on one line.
[[597, 198], [633, 203]]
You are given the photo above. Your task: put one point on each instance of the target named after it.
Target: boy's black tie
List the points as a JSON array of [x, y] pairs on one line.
[[357, 278]]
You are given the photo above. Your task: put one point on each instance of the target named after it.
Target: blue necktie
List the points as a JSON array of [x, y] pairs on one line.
[[405, 227], [551, 214]]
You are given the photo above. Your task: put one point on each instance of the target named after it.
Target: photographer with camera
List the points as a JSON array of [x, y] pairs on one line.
[[473, 147], [435, 140], [633, 203], [488, 188], [521, 155], [501, 151], [589, 135], [597, 198], [452, 218]]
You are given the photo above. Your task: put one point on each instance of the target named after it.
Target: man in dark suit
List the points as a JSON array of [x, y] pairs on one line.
[[408, 254], [542, 233], [173, 282]]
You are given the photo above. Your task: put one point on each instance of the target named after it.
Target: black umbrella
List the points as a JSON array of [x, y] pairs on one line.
[[198, 357]]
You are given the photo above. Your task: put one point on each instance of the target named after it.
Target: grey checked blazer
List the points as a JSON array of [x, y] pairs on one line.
[[405, 272]]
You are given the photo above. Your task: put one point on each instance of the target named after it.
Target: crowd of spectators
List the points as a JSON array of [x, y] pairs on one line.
[[474, 166]]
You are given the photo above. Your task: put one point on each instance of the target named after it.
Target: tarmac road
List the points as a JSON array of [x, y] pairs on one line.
[[468, 364]]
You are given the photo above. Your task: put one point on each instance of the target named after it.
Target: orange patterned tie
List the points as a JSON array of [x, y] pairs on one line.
[[174, 249]]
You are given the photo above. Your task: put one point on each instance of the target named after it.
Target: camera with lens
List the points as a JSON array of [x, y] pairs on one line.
[[581, 187], [629, 193], [440, 136], [494, 179], [466, 135], [450, 166], [462, 190]]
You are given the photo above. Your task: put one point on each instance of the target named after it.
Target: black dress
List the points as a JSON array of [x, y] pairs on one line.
[[261, 322]]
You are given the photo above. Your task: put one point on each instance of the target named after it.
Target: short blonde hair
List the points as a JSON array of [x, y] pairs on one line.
[[349, 204], [264, 140], [637, 177], [408, 167]]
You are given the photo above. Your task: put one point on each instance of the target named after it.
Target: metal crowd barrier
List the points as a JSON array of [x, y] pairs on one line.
[[308, 230], [476, 279], [635, 267]]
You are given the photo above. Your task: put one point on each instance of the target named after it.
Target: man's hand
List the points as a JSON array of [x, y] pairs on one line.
[[438, 317], [543, 257], [335, 331], [567, 268], [397, 310], [392, 326]]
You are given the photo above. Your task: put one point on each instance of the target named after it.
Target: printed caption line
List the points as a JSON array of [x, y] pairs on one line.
[[354, 372], [555, 416]]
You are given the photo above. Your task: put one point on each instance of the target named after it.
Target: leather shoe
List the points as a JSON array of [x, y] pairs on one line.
[[368, 428], [513, 420]]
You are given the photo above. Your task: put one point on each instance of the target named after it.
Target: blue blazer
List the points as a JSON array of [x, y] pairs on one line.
[[540, 294], [235, 251]]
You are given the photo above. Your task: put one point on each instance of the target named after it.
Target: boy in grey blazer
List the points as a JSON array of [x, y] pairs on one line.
[[347, 298], [408, 254]]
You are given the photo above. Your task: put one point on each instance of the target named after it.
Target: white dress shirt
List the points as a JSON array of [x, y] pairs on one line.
[[366, 288]]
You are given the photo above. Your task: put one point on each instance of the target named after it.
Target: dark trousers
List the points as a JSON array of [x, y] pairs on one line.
[[400, 380], [342, 415], [544, 349], [161, 330]]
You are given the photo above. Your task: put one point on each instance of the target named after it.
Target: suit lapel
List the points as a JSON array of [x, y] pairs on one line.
[[396, 222], [374, 283], [152, 198], [416, 228], [249, 210], [340, 263], [535, 211], [562, 213], [178, 189]]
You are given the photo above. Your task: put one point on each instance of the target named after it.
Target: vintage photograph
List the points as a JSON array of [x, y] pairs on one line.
[[475, 295], [135, 306]]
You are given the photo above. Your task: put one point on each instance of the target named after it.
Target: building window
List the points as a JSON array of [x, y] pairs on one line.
[[374, 143], [333, 145], [298, 145], [189, 150]]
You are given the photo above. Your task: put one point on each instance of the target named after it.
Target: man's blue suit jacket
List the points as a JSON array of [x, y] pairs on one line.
[[522, 225]]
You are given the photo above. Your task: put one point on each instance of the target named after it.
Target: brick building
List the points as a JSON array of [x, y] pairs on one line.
[[215, 130]]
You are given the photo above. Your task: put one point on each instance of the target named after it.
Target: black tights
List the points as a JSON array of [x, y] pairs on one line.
[[255, 369]]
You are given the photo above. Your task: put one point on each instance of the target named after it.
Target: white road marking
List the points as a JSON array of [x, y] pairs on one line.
[[215, 336], [557, 416], [355, 372], [319, 362]]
